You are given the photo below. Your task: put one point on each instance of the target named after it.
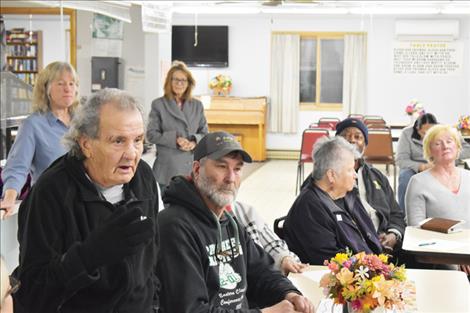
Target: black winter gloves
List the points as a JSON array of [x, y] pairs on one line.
[[121, 235]]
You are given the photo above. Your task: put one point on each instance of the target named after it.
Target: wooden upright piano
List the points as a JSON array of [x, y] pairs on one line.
[[243, 117]]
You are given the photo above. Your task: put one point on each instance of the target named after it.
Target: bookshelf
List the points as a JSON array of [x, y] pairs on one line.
[[24, 53]]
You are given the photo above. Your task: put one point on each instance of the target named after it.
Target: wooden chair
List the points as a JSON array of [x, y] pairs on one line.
[[375, 122], [309, 137], [374, 119], [357, 116], [328, 122], [380, 150]]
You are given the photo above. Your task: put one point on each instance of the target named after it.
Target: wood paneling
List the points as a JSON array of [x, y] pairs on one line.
[[243, 117]]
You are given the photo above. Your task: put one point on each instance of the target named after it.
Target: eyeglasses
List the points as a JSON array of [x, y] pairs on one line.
[[179, 81], [14, 286]]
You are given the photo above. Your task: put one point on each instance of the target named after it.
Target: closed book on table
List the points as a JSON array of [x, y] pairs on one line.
[[442, 225]]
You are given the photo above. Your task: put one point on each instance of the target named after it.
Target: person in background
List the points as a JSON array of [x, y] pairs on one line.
[[327, 218], [176, 123], [374, 189], [87, 230], [38, 142], [444, 189], [285, 260], [6, 289], [409, 155], [206, 251]]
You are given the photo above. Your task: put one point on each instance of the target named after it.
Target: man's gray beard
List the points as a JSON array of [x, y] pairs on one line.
[[208, 188]]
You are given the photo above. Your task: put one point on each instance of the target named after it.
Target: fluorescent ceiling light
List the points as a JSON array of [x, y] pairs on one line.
[[215, 10], [456, 10], [305, 10], [116, 9], [393, 10]]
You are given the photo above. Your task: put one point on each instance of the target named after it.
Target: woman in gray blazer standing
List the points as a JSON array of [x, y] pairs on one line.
[[176, 123]]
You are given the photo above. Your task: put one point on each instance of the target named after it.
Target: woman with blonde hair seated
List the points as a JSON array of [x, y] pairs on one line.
[[444, 189]]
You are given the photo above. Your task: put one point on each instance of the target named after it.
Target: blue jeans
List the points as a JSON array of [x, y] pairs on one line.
[[403, 180]]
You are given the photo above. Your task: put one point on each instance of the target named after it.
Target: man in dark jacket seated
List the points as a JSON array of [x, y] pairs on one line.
[[374, 189], [207, 261], [87, 230], [327, 217]]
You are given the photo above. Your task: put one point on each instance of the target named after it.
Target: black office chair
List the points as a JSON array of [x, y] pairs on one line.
[[279, 226]]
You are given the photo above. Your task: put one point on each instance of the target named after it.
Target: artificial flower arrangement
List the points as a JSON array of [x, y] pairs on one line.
[[366, 282], [414, 108], [221, 84], [464, 124]]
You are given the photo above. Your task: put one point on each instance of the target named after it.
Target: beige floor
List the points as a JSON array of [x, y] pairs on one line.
[[271, 188]]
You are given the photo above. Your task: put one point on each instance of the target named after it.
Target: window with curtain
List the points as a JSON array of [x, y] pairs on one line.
[[321, 71]]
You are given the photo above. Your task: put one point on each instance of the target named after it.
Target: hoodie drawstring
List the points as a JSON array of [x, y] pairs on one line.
[[218, 245]]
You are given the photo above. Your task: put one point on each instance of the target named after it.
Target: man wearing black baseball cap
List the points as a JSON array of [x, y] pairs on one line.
[[374, 188], [207, 261]]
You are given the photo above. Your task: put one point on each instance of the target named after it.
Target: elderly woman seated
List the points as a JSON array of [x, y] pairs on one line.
[[444, 189], [327, 217]]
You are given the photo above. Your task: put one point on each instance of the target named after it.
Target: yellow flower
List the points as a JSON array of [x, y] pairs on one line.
[[383, 290], [383, 258], [400, 273], [345, 276], [341, 257]]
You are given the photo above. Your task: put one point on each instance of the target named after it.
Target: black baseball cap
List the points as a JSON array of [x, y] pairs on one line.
[[218, 144]]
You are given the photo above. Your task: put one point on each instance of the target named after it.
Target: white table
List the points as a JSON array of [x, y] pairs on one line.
[[447, 248], [436, 290], [9, 246]]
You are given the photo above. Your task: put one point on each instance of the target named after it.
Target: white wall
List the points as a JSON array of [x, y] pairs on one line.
[[249, 62]]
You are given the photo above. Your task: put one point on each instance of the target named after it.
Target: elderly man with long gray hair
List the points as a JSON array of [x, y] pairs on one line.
[[327, 217], [88, 233]]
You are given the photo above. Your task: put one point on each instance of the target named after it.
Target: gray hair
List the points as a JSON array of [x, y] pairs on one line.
[[86, 121], [328, 153]]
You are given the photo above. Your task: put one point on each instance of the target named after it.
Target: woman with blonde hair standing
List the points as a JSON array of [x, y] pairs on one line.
[[176, 123], [38, 142]]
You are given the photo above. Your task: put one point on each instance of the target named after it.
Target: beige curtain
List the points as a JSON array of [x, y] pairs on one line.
[[355, 74], [284, 106]]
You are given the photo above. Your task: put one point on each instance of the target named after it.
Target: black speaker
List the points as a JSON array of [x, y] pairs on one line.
[[106, 72]]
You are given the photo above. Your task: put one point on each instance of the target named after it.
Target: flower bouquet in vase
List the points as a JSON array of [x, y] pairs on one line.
[[221, 85], [365, 283], [464, 125], [414, 109]]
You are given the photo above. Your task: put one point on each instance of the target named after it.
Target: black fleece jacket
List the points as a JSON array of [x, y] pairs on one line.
[[316, 228], [381, 197], [200, 270], [60, 212]]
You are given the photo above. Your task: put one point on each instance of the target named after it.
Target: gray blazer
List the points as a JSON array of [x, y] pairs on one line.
[[166, 122]]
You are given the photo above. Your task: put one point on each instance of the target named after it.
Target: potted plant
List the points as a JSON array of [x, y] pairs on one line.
[[464, 125], [221, 85]]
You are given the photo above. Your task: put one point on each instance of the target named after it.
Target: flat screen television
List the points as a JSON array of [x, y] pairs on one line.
[[211, 49]]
